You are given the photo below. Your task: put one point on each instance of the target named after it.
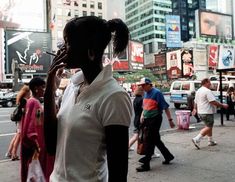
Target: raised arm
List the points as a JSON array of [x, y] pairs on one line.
[[50, 119]]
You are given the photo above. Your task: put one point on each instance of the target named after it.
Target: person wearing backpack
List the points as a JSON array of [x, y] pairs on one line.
[[21, 100]]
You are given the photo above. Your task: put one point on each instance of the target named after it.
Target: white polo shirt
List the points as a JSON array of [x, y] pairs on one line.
[[81, 148], [203, 98]]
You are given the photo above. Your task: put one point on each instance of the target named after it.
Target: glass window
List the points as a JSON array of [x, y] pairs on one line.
[[176, 86], [214, 86], [84, 5], [75, 3], [185, 86], [100, 15], [92, 13], [225, 87], [84, 13], [76, 13], [197, 86], [92, 4], [99, 5]]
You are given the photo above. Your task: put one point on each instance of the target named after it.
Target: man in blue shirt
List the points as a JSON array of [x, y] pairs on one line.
[[151, 118]]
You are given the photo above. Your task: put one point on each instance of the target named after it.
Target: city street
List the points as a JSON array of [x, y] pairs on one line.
[[8, 128]]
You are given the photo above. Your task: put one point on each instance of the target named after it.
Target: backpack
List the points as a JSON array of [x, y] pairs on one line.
[[18, 112]]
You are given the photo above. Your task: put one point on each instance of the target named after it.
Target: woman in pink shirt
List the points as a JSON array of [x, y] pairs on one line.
[[32, 131]]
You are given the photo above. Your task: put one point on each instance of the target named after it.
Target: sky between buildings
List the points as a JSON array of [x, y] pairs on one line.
[[116, 9]]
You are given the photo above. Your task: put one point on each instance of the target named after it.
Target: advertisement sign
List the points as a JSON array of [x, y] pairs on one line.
[[215, 25], [187, 62], [174, 64], [160, 62], [121, 62], [121, 66], [24, 14], [28, 50], [226, 57], [173, 33], [136, 55], [213, 57], [199, 57]]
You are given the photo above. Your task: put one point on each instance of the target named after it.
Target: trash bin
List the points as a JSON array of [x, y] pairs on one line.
[[183, 119]]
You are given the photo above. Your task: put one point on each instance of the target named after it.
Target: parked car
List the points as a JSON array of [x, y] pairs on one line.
[[180, 90], [8, 99]]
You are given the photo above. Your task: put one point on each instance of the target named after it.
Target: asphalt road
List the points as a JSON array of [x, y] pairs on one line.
[[8, 128]]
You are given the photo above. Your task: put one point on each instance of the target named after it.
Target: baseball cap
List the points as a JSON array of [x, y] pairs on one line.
[[145, 81]]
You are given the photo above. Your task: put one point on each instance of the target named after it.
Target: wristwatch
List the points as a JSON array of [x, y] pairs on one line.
[[170, 119]]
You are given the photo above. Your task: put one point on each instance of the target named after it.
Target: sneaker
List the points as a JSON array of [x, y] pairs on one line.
[[7, 155], [196, 143], [156, 155], [212, 143], [131, 149]]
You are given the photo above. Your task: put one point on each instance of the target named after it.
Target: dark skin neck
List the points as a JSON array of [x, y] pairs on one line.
[[91, 71]]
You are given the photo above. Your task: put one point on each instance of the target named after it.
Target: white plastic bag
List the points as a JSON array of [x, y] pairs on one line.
[[35, 173]]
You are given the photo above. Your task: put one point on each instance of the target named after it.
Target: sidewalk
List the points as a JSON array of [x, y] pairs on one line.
[[209, 164]]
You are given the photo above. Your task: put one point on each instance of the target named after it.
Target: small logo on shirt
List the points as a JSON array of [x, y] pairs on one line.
[[87, 107]]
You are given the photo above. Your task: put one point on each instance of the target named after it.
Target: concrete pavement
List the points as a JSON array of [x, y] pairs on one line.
[[209, 164]]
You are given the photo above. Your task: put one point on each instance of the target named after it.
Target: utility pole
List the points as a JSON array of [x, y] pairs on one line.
[[15, 70]]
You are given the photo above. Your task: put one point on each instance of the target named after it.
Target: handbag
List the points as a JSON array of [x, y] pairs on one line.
[[17, 114], [35, 173], [142, 142]]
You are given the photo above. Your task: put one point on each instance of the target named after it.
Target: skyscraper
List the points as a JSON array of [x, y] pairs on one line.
[[186, 10], [146, 22]]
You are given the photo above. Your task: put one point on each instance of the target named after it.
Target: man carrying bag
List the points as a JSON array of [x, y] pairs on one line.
[[151, 118]]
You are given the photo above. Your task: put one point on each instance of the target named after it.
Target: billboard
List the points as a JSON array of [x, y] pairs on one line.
[[187, 62], [136, 50], [26, 15], [28, 49], [173, 33], [213, 57], [226, 57], [121, 62], [212, 24], [173, 64]]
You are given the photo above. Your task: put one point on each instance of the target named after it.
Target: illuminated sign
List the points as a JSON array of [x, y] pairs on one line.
[[28, 50], [30, 15], [212, 24]]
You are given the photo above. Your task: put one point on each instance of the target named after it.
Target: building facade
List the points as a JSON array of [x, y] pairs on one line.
[[186, 10], [146, 22], [64, 10]]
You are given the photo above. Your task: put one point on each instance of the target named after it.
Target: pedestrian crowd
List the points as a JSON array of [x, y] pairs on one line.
[[85, 136]]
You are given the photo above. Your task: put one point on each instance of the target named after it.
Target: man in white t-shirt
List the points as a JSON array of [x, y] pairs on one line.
[[205, 105]]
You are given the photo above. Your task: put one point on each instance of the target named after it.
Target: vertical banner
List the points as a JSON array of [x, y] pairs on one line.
[[174, 64], [212, 57], [173, 33], [136, 55], [226, 57], [187, 62]]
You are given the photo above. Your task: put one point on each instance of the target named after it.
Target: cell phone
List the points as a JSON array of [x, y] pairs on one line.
[[50, 53]]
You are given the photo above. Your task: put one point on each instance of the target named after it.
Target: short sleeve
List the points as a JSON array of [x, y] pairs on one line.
[[161, 101], [116, 110], [210, 96]]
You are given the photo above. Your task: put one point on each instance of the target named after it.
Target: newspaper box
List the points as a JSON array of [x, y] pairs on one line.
[[183, 119]]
